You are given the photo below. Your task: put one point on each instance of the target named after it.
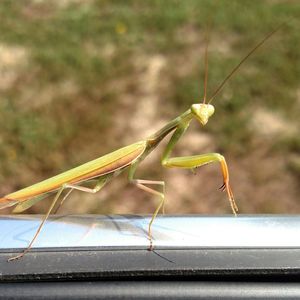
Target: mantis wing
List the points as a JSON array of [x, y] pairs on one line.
[[4, 203], [106, 164], [28, 203]]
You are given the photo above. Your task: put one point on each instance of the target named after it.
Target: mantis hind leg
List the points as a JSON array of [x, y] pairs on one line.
[[191, 162], [41, 225], [100, 183], [142, 184]]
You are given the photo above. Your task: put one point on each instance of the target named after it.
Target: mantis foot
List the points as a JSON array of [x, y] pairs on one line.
[[16, 257]]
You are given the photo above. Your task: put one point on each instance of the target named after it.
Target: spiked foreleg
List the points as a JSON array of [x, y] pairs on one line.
[[191, 162]]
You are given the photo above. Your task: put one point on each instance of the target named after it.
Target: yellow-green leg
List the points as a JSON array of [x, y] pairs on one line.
[[100, 183], [142, 184], [190, 162], [41, 225]]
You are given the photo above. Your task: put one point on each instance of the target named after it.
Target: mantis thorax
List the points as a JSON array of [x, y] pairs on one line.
[[202, 112]]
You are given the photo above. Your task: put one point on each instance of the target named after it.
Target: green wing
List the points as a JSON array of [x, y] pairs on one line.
[[30, 202], [104, 165]]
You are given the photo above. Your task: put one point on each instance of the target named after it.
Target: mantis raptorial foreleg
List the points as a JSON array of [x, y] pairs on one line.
[[191, 162], [100, 183], [201, 160]]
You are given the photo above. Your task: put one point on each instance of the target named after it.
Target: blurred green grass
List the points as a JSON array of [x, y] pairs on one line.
[[68, 68]]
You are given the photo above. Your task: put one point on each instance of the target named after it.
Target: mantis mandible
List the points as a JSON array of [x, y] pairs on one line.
[[103, 169]]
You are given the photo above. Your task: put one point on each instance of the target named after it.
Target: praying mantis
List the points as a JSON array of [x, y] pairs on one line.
[[103, 169]]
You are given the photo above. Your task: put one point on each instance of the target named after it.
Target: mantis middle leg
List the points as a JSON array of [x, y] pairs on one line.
[[142, 184]]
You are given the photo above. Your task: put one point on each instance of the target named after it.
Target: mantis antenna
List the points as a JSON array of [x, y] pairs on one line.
[[206, 68], [219, 88]]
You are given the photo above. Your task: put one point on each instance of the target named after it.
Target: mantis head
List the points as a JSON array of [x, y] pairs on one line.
[[202, 112]]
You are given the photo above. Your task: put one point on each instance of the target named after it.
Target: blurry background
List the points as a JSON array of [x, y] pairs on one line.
[[79, 79]]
